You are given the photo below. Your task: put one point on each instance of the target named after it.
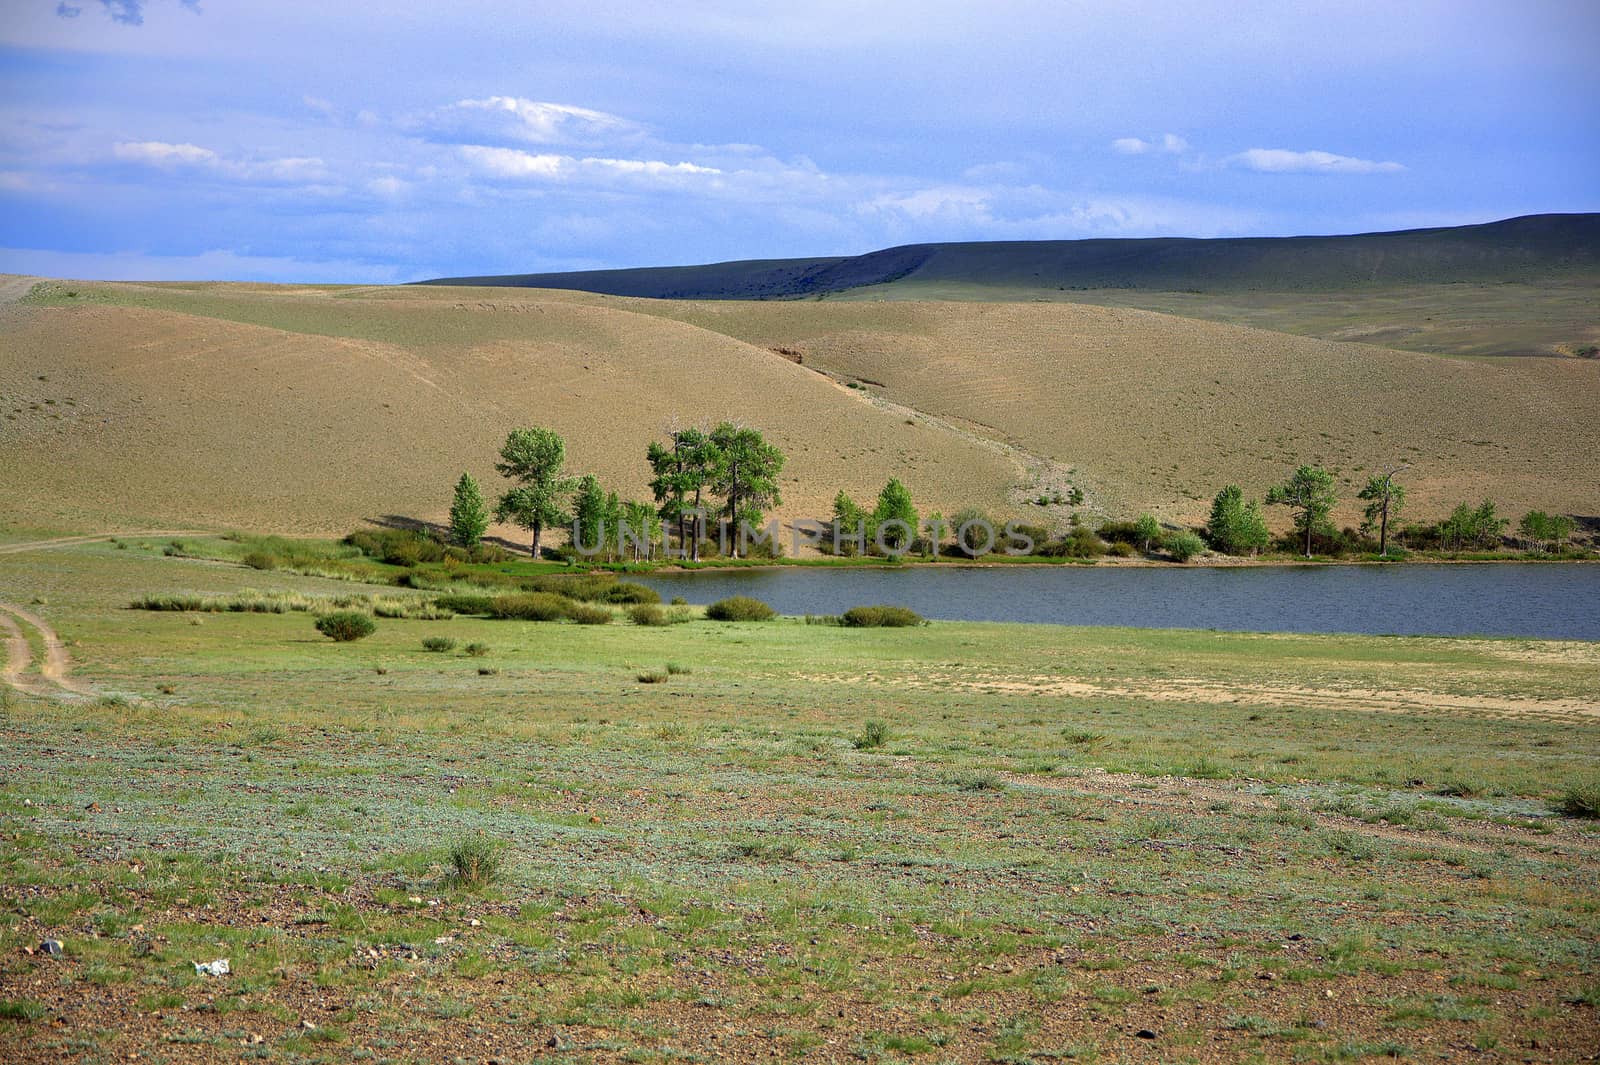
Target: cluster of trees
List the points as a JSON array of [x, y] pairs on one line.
[[729, 475], [731, 465], [1236, 526]]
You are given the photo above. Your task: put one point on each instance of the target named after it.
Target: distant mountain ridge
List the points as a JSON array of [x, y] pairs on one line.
[[1529, 248]]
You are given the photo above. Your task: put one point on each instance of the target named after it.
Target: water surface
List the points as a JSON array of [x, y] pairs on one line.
[[1558, 600]]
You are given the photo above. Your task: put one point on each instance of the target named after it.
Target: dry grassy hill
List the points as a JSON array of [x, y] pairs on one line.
[[308, 409], [1156, 411]]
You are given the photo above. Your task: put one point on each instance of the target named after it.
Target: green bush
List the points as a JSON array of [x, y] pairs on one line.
[[676, 670], [261, 560], [1184, 546], [880, 617], [438, 644], [647, 614], [465, 602], [474, 862], [1580, 799], [679, 600], [476, 650], [346, 626], [586, 614], [740, 608], [531, 606], [873, 734], [652, 677], [626, 592]]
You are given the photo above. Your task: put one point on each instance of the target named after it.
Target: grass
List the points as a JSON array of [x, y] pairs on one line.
[[474, 862], [1052, 838], [1580, 799]]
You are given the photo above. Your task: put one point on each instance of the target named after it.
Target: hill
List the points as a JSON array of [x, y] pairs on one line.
[[1516, 287], [309, 409], [1534, 247]]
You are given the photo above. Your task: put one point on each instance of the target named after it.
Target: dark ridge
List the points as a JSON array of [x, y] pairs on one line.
[[1531, 248]]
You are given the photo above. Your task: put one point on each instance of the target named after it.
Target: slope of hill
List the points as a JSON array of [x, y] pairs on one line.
[[1535, 247], [310, 409], [1523, 286], [1157, 412]]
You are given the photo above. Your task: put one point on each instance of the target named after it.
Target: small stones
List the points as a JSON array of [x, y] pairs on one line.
[[52, 948]]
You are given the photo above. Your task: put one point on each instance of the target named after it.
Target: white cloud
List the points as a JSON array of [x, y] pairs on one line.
[[1170, 143], [513, 118], [159, 153], [1283, 161], [513, 164], [205, 266]]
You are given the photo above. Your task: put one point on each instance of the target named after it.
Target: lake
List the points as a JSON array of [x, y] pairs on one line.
[[1557, 600]]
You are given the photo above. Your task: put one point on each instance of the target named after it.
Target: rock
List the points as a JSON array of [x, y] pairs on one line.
[[1145, 1033], [308, 1025], [52, 947], [219, 967]]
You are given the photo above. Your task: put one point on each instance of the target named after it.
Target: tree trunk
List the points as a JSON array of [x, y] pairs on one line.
[[537, 529], [1308, 533], [1383, 530]]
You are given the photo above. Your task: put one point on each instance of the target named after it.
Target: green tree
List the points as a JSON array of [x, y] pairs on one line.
[[850, 523], [1148, 530], [533, 458], [1385, 500], [1469, 526], [1236, 526], [682, 474], [469, 515], [589, 524], [937, 528], [644, 525], [1310, 494], [894, 505], [745, 474]]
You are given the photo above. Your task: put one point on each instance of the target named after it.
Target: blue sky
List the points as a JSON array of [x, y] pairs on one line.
[[309, 140]]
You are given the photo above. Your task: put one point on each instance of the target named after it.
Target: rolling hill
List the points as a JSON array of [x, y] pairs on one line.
[[1531, 248], [310, 409], [1523, 286]]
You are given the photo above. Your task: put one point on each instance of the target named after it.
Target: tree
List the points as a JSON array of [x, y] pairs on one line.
[[589, 515], [1148, 530], [1385, 499], [1469, 526], [533, 459], [745, 474], [1309, 493], [937, 528], [894, 505], [848, 520], [683, 472], [1236, 526], [469, 515], [644, 525]]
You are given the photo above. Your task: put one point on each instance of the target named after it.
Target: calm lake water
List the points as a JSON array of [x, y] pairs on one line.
[[1555, 600]]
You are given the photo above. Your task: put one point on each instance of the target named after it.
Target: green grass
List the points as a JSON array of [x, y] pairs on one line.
[[1043, 824]]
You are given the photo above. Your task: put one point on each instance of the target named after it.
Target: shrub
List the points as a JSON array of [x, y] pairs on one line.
[[476, 650], [679, 615], [740, 608], [626, 592], [647, 614], [880, 617], [465, 602], [652, 677], [676, 670], [261, 560], [346, 626], [1184, 546], [873, 734], [487, 671], [586, 614], [530, 606], [474, 862], [438, 644], [679, 600], [1121, 549], [1580, 799]]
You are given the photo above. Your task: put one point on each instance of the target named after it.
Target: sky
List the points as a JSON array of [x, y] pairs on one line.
[[318, 141]]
